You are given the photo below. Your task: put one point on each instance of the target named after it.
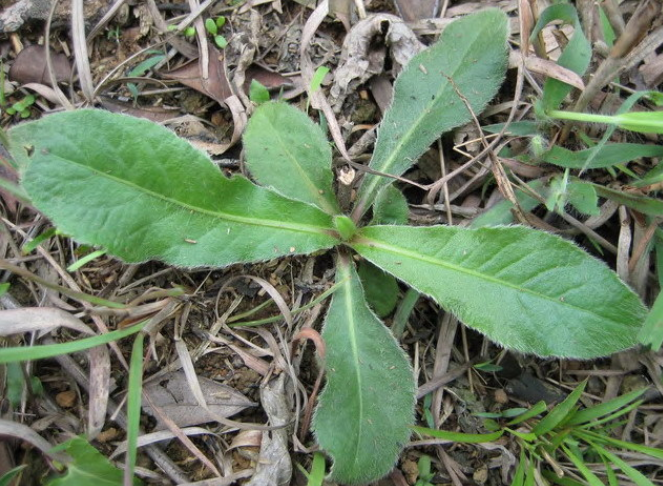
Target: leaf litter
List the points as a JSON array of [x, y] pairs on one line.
[[624, 236]]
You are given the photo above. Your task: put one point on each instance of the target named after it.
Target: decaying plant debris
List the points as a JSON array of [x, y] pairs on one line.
[[225, 345]]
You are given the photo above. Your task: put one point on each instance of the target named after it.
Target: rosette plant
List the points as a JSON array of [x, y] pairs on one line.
[[137, 190]]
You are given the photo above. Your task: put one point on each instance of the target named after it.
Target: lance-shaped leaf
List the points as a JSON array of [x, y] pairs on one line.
[[367, 405], [138, 190], [287, 151], [525, 289], [471, 58]]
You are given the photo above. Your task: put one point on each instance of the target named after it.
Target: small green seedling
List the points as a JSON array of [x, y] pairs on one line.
[[212, 26], [425, 474], [22, 107], [137, 190]]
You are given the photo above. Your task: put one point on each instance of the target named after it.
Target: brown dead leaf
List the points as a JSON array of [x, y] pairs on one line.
[[365, 50], [157, 114], [30, 66], [173, 395], [269, 79], [216, 86]]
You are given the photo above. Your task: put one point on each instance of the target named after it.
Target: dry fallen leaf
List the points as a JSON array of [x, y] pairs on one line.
[[365, 51], [30, 66], [173, 395]]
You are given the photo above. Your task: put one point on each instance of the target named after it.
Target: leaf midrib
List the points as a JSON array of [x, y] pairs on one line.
[[352, 337], [372, 243], [302, 228], [395, 154]]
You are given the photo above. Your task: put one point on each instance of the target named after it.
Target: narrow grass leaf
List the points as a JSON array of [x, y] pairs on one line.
[[471, 57], [525, 289], [560, 412], [588, 435], [288, 152], [364, 412], [459, 436], [141, 192], [644, 204], [578, 462], [6, 479], [318, 469], [597, 411], [636, 476], [134, 395], [606, 156], [537, 409], [31, 353]]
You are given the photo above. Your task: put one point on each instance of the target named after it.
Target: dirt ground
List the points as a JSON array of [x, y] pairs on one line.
[[156, 60]]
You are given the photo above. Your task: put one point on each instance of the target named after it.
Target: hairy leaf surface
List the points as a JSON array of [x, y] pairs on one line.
[[287, 151], [138, 190], [472, 53], [525, 289], [367, 405]]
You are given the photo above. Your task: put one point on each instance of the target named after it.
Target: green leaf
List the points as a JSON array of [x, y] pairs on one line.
[[644, 204], [472, 52], [501, 213], [134, 397], [596, 412], [576, 55], [211, 26], [287, 151], [258, 93], [583, 197], [390, 207], [559, 412], [8, 477], [380, 287], [634, 475], [641, 121], [30, 353], [592, 479], [651, 334], [606, 156], [459, 436], [525, 289], [88, 468], [141, 192], [363, 416]]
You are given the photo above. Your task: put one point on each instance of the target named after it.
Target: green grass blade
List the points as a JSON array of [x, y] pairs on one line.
[[135, 391], [636, 476], [25, 353], [459, 436], [602, 409], [592, 479], [560, 412]]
